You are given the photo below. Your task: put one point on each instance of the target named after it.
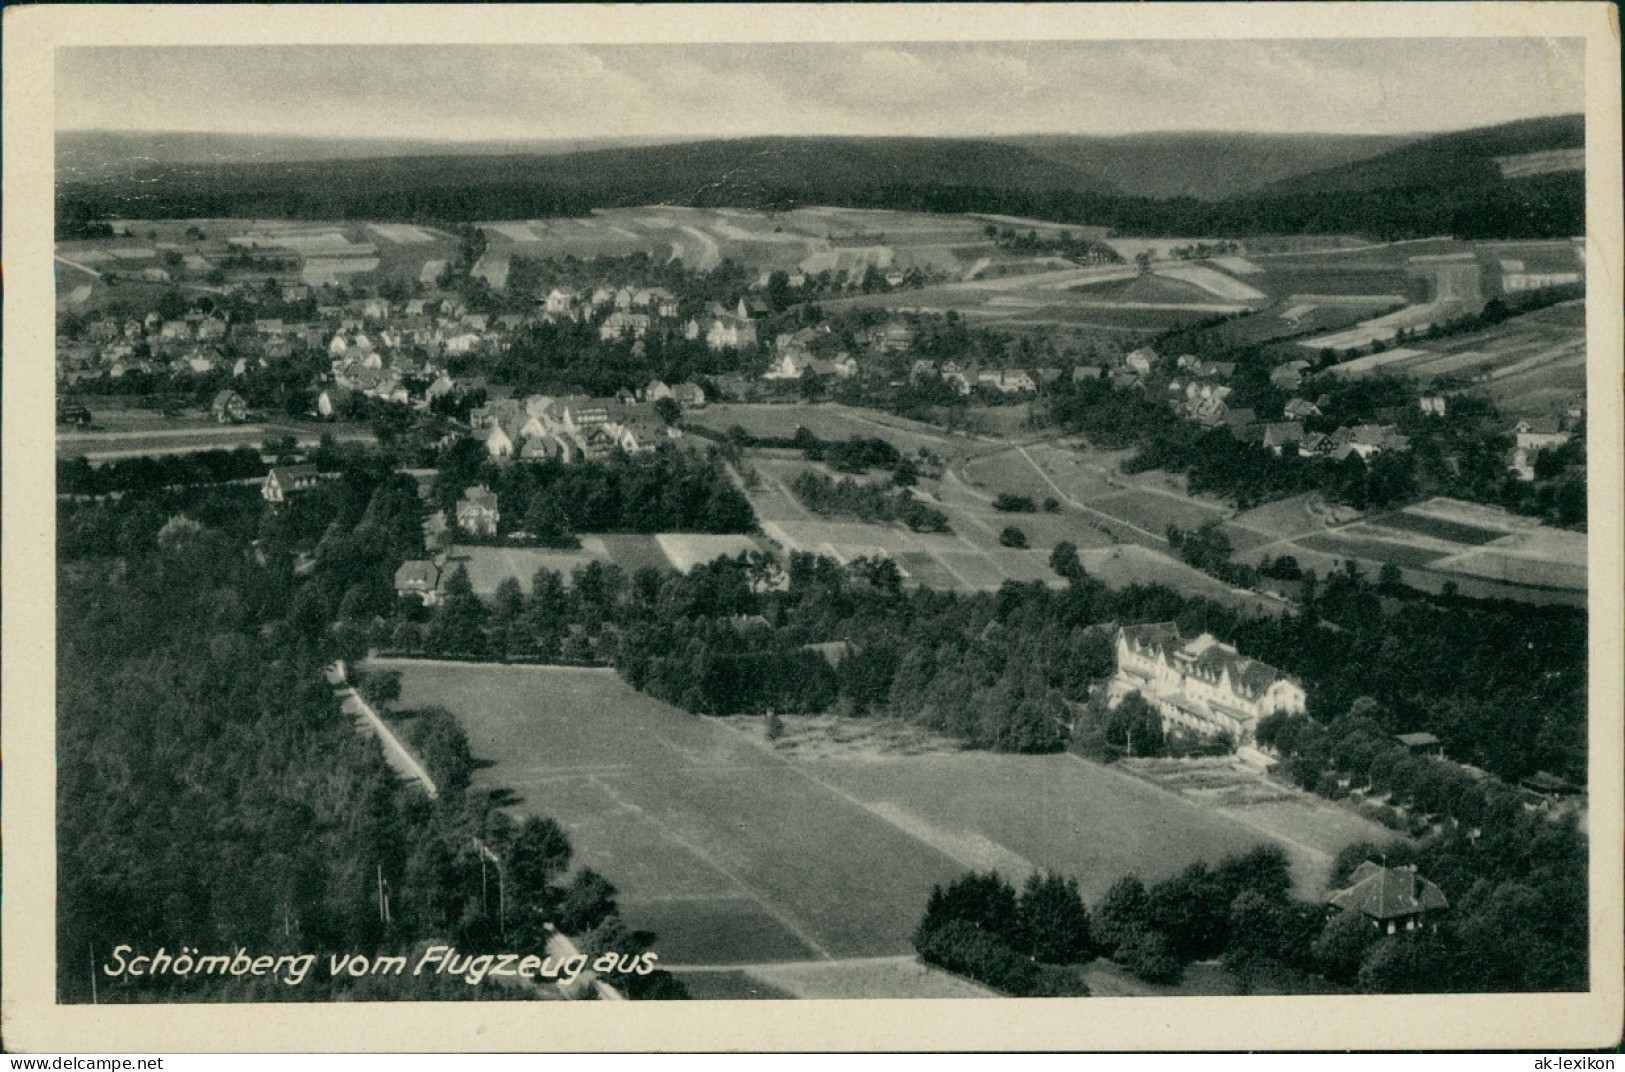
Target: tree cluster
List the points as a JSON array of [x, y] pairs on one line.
[[1024, 946]]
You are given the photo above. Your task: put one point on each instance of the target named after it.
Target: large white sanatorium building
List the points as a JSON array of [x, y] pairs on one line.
[[1200, 685]]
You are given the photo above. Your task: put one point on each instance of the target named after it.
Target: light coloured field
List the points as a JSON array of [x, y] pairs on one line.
[[889, 977], [1495, 564], [431, 271], [1214, 282], [493, 268], [728, 853], [687, 550], [1237, 265], [1312, 830], [401, 233], [490, 566], [318, 271]]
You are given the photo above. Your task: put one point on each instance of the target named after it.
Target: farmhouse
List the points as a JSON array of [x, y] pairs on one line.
[[1395, 899], [1200, 685], [285, 480]]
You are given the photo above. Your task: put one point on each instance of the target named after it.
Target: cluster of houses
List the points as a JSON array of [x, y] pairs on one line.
[[575, 427], [181, 346], [1005, 381], [632, 312]]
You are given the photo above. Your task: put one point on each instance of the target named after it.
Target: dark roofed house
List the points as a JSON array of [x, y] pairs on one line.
[[1394, 899], [418, 579], [1424, 743], [229, 408], [1280, 435], [477, 512], [285, 480]]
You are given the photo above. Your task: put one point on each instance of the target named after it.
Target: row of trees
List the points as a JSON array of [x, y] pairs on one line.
[[669, 490]]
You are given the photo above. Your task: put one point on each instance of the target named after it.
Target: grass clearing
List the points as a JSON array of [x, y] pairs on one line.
[[736, 852], [1154, 513]]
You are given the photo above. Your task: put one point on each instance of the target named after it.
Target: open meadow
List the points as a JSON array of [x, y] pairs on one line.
[[737, 853]]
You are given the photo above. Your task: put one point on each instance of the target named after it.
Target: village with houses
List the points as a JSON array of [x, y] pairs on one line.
[[1161, 611]]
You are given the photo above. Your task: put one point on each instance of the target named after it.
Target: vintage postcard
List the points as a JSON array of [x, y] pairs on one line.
[[926, 527]]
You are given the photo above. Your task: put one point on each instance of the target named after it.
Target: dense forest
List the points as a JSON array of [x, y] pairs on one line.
[[1439, 185], [210, 794]]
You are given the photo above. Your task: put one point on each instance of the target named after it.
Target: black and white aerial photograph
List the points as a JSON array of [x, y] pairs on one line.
[[1092, 518]]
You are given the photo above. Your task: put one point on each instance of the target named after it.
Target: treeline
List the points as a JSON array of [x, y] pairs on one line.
[[428, 190], [669, 490], [1515, 922], [211, 794], [865, 502], [76, 476]]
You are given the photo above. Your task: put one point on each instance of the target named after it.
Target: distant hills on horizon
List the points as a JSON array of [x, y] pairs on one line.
[[1158, 183]]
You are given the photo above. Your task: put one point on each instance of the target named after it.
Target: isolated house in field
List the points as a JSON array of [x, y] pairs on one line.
[[228, 407], [284, 481], [1200, 685], [1432, 405], [1395, 899], [1141, 360], [419, 579], [477, 512]]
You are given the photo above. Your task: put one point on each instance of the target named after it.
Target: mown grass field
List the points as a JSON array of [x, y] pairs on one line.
[[735, 854]]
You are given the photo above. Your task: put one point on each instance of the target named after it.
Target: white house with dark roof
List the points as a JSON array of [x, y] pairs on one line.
[[477, 512], [1201, 685], [419, 579]]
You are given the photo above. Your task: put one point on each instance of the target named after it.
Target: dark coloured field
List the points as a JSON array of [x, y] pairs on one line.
[[1374, 550], [1438, 527]]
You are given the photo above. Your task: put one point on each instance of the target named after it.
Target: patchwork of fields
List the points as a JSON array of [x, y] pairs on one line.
[[1444, 540], [736, 855], [1532, 365]]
